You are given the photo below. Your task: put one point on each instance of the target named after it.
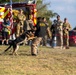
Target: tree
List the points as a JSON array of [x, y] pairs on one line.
[[43, 11]]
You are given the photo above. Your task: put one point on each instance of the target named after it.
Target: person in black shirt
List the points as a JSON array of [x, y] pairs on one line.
[[54, 28]]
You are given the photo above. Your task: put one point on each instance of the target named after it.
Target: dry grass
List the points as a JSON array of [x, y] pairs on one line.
[[48, 62]]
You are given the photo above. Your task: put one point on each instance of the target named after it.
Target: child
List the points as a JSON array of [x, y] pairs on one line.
[[6, 30]]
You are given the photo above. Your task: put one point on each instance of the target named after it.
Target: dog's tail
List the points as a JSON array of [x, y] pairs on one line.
[[11, 43], [7, 49]]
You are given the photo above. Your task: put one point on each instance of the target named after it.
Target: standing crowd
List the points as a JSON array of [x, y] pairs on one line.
[[42, 31], [60, 30]]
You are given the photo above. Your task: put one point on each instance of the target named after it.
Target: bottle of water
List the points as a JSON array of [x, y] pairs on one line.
[[54, 43]]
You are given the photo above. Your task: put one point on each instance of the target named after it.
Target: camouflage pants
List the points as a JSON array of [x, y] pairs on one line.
[[66, 40], [19, 30], [34, 46], [60, 38]]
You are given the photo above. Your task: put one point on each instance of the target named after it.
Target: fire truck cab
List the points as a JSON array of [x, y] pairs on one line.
[[29, 10]]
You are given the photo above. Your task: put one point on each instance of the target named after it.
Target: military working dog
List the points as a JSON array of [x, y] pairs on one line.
[[15, 43]]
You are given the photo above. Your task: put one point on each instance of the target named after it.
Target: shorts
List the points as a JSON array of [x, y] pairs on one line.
[[5, 35]]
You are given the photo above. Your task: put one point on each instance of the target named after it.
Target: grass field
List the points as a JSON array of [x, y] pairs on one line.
[[48, 62]]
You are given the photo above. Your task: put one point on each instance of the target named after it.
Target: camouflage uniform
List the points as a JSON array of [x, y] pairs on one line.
[[20, 24], [66, 28], [60, 32], [35, 44]]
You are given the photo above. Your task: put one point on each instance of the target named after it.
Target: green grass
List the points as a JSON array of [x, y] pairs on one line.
[[48, 62]]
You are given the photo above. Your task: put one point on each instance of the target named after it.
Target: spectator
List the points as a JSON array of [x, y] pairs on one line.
[[20, 24], [60, 31], [66, 29], [48, 33], [6, 30], [14, 31], [54, 31]]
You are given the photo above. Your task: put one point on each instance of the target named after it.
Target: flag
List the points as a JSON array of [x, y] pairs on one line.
[[11, 14]]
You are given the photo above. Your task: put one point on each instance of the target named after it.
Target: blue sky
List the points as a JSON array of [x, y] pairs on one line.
[[65, 8]]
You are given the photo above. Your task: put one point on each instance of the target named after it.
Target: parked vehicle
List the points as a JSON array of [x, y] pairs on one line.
[[72, 37]]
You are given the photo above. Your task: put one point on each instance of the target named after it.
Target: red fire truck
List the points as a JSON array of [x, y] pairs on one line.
[[29, 9]]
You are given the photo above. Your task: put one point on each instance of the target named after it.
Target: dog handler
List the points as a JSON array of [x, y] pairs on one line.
[[41, 29]]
